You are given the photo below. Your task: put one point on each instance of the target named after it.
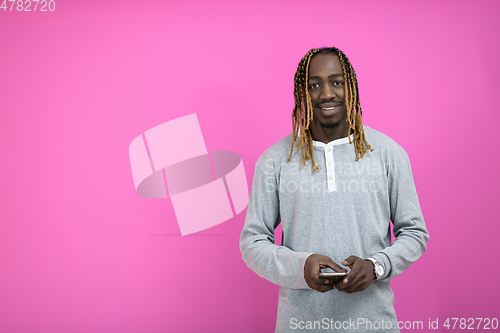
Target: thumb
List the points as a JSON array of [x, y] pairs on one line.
[[349, 261], [333, 265]]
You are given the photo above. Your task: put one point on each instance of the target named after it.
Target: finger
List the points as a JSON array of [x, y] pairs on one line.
[[333, 265], [324, 288], [354, 288], [318, 287], [350, 282], [325, 262], [321, 281], [346, 284], [350, 287], [317, 280], [315, 276], [356, 266], [357, 279], [351, 278], [349, 261]]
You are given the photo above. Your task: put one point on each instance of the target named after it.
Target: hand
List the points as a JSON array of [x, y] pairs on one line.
[[360, 276], [311, 272]]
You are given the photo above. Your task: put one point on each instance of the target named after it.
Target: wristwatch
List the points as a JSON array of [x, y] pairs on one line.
[[378, 269]]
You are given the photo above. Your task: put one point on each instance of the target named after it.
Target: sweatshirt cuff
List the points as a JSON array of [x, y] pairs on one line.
[[301, 283]]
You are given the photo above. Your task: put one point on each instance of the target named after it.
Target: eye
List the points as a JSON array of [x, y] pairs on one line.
[[338, 83], [314, 86]]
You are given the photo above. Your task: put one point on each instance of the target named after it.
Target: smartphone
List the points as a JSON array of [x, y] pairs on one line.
[[333, 276]]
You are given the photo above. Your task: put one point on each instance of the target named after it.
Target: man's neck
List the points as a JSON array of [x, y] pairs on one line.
[[327, 134]]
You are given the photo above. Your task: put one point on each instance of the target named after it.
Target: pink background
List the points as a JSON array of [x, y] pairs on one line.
[[80, 251]]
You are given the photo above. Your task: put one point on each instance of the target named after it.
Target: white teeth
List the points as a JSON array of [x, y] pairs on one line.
[[329, 108]]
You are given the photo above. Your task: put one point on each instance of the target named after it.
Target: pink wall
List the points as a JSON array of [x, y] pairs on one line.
[[80, 251]]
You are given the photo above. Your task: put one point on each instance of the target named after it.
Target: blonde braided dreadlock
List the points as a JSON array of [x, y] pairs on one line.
[[302, 114]]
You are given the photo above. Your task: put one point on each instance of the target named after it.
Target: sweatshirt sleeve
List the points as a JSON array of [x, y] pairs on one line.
[[277, 264], [406, 216]]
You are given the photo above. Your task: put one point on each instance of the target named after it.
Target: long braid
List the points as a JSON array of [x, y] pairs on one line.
[[302, 114], [355, 121]]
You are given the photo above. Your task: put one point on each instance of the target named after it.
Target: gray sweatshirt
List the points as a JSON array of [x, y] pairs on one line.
[[343, 209]]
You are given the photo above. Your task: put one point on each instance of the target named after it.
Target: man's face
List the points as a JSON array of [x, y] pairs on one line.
[[326, 86]]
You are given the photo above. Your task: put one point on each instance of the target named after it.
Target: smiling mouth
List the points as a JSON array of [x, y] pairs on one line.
[[328, 106]]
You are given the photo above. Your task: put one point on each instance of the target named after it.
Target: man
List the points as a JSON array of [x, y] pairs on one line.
[[335, 186]]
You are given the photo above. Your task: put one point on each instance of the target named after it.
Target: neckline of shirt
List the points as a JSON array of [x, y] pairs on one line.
[[340, 141], [336, 142]]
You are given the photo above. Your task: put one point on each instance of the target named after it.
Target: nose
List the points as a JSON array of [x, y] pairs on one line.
[[327, 92]]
